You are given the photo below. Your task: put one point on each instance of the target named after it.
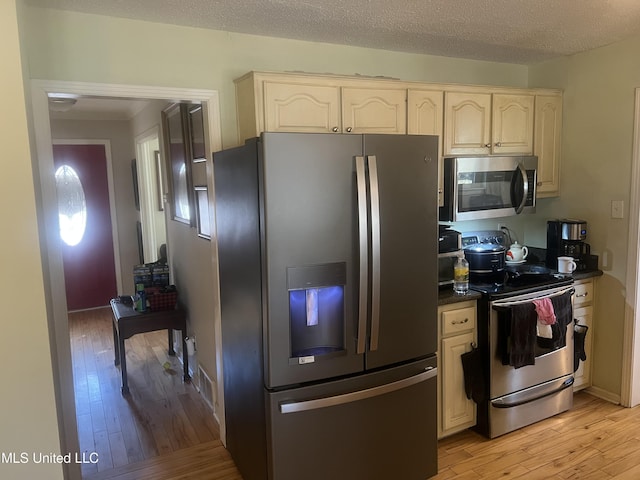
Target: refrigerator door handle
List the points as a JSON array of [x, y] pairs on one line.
[[318, 403], [375, 252], [363, 228]]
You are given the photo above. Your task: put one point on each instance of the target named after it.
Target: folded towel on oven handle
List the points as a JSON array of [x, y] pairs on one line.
[[564, 316], [517, 332]]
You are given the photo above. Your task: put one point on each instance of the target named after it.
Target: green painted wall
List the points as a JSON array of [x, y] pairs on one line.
[[91, 48], [28, 420], [596, 169]]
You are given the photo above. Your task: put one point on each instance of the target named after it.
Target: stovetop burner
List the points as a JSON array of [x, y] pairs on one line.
[[521, 279]]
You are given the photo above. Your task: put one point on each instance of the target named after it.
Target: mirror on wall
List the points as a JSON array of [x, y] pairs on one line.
[[178, 165], [187, 165]]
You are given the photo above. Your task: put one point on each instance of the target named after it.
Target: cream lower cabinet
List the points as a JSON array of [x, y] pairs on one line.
[[583, 304], [457, 331]]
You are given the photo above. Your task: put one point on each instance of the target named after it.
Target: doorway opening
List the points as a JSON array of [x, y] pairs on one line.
[[53, 265], [152, 191]]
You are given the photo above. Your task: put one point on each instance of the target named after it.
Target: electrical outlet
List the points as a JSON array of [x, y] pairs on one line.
[[617, 208]]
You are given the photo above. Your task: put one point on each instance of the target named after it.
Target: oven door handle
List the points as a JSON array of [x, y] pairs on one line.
[[497, 304], [518, 400]]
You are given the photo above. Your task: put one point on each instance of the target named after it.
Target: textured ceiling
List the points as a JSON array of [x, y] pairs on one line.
[[512, 31]]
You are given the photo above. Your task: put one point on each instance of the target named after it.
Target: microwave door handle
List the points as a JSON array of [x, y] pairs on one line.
[[525, 188]]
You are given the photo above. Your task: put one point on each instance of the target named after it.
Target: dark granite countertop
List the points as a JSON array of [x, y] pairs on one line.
[[446, 296], [587, 274]]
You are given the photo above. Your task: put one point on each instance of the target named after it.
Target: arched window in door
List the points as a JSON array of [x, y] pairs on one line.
[[72, 206]]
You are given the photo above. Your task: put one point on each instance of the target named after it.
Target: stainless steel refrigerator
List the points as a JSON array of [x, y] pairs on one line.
[[327, 249]]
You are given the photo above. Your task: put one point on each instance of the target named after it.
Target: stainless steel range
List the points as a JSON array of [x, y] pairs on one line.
[[527, 364]]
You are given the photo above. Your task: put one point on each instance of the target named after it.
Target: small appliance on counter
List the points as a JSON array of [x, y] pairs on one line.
[[449, 250], [485, 252], [566, 238]]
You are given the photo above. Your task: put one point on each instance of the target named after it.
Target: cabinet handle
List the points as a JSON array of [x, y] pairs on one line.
[[583, 294], [488, 145], [499, 144], [538, 184], [460, 322], [349, 129], [334, 129]]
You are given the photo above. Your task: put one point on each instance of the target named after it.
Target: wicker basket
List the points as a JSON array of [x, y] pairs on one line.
[[159, 300]]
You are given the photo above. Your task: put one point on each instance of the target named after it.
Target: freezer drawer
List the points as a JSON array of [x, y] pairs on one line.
[[375, 426]]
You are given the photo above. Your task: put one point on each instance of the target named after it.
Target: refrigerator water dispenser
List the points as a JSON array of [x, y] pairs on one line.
[[316, 311]]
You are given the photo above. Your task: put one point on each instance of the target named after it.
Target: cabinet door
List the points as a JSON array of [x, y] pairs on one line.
[[547, 143], [425, 116], [512, 124], [467, 123], [307, 108], [457, 410], [372, 110], [582, 376]]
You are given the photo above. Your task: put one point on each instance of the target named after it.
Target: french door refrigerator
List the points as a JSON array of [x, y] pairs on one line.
[[327, 248]]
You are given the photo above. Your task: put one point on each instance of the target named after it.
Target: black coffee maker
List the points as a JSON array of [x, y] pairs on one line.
[[566, 238]]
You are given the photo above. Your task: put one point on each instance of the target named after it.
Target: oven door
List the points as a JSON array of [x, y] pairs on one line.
[[553, 359]]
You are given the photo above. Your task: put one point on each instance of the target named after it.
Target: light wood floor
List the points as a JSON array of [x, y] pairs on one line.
[[161, 416], [164, 431]]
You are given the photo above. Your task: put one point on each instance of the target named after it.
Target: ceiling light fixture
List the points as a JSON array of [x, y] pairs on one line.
[[61, 102]]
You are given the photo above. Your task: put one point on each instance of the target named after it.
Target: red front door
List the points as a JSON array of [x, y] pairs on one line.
[[85, 220]]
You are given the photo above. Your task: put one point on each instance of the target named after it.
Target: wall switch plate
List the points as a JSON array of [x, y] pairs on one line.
[[617, 208]]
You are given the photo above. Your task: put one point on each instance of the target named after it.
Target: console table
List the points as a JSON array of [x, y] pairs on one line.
[[127, 322]]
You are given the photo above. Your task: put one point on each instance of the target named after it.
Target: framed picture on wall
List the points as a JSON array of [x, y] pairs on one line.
[[178, 163], [196, 133], [202, 209], [136, 191], [160, 188]]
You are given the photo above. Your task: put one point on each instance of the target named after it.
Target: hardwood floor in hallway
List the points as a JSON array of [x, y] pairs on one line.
[[165, 431], [162, 415]]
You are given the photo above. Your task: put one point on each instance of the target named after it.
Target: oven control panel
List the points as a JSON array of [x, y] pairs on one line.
[[485, 236]]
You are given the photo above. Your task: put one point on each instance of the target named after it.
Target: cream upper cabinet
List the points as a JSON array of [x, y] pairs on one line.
[[295, 107], [425, 112], [291, 102], [547, 143], [469, 119], [425, 116], [374, 110], [512, 123], [486, 123], [467, 128]]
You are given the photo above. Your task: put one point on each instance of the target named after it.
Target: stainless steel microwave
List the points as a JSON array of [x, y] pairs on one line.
[[488, 187]]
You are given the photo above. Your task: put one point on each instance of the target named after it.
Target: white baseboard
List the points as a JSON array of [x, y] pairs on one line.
[[603, 394]]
